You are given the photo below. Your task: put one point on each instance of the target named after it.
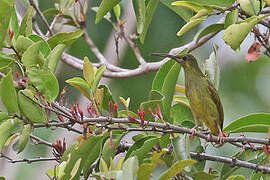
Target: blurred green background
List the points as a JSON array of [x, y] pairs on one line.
[[244, 87]]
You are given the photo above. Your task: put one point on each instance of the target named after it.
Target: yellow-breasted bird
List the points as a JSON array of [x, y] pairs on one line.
[[204, 101]]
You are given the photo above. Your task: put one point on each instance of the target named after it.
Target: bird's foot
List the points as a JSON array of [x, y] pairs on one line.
[[193, 131], [221, 137]]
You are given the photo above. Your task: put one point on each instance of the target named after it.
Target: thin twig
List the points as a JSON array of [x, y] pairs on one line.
[[42, 17], [40, 141]]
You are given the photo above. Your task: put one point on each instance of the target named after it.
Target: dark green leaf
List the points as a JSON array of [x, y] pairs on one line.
[[181, 113], [26, 24], [44, 46], [8, 94], [50, 12], [64, 38], [54, 57], [108, 151], [142, 151], [5, 14], [139, 8], [104, 8], [184, 13], [81, 85], [168, 90], [209, 29], [28, 105], [80, 156], [44, 81], [150, 9], [258, 122], [176, 168]]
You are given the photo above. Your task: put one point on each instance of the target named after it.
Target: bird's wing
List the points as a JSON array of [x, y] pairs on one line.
[[216, 99]]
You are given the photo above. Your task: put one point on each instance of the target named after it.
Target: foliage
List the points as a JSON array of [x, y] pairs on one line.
[[29, 92]]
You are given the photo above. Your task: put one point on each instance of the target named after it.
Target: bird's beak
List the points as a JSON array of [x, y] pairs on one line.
[[176, 58]]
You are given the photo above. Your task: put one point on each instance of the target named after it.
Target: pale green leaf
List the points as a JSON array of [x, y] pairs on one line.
[[139, 9], [104, 8], [130, 168], [8, 94], [31, 56], [81, 85], [190, 25], [53, 58], [88, 71], [26, 24]]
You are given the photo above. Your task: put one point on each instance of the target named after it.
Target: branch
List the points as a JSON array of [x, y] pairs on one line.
[[42, 17], [231, 161], [29, 161], [40, 141]]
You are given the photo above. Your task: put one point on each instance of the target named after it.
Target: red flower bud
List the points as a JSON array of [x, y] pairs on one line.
[[60, 118], [10, 33], [115, 108], [81, 113], [17, 75]]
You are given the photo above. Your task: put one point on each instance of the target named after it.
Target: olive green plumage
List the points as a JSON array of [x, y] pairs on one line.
[[203, 97]]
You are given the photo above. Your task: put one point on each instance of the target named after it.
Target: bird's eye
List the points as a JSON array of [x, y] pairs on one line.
[[184, 58]]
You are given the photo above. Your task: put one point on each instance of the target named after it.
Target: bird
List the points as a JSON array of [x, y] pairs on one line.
[[203, 97]]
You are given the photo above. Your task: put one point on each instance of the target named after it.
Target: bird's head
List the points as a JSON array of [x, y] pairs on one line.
[[186, 60]]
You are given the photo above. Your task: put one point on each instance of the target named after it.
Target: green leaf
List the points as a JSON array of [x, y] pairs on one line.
[[181, 148], [117, 11], [146, 169], [235, 34], [176, 168], [31, 56], [130, 168], [14, 25], [8, 94], [214, 3], [141, 152], [53, 58], [6, 60], [181, 100], [193, 6], [244, 155], [80, 156], [203, 175], [81, 85], [104, 8], [258, 122], [211, 67], [6, 130], [26, 24], [98, 76], [168, 90], [64, 38], [139, 8], [190, 25], [44, 46], [138, 144], [24, 137], [108, 152], [247, 6], [88, 71], [3, 116], [236, 177], [45, 81], [184, 13], [23, 43], [125, 102], [150, 9], [181, 113], [32, 111], [50, 12], [107, 96], [5, 14], [231, 18], [208, 30]]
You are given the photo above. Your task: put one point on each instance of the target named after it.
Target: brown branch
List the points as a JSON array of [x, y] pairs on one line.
[[40, 141], [42, 17], [231, 161], [29, 161]]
